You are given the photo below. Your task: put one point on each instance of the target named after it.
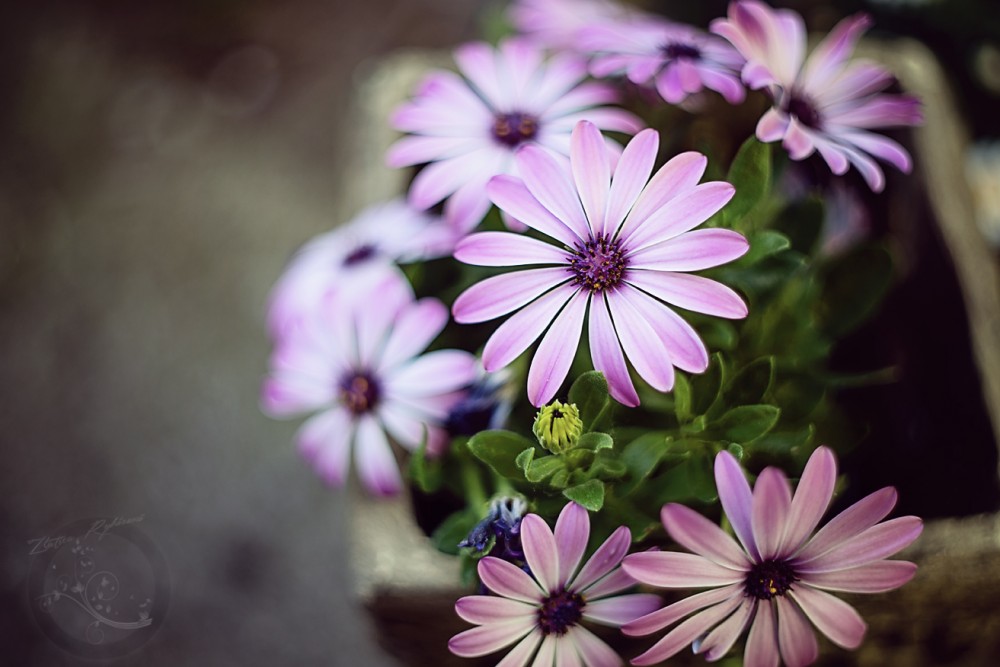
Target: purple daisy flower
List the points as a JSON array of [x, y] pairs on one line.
[[624, 245], [468, 128], [679, 60], [541, 612], [775, 579], [555, 24], [358, 369], [822, 103], [355, 255]]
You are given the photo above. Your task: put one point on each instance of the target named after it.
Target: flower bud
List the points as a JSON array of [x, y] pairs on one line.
[[558, 427]]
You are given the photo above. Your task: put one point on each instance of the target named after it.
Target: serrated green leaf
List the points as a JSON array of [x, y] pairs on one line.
[[595, 441], [747, 422], [750, 174], [540, 469], [499, 450], [590, 394], [590, 494], [525, 458]]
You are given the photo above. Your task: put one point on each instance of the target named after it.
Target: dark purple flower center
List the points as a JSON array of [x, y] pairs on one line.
[[360, 254], [676, 50], [803, 108], [559, 612], [598, 264], [513, 129], [768, 579], [359, 392]]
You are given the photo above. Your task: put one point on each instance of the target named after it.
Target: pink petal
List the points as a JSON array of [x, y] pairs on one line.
[[718, 642], [511, 195], [418, 324], [606, 353], [374, 459], [877, 577], [641, 343], [678, 176], [832, 616], [617, 611], [669, 85], [440, 179], [687, 632], [605, 559], [591, 172], [797, 141], [692, 251], [571, 532], [827, 59], [593, 652], [772, 125], [772, 499], [406, 427], [729, 86], [868, 168], [411, 150], [684, 212], [695, 293], [520, 654], [671, 569], [853, 521], [683, 345], [736, 499], [556, 352], [506, 249], [661, 618], [696, 533], [812, 497], [509, 581], [325, 440], [795, 637], [833, 155], [878, 111], [879, 541], [437, 372], [881, 147], [546, 655], [373, 324], [566, 654], [483, 609], [522, 329], [289, 394], [540, 551], [487, 639], [466, 208], [631, 176], [499, 295], [548, 181], [762, 642], [479, 62], [612, 584]]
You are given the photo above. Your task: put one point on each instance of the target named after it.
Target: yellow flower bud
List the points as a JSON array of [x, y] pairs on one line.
[[558, 427]]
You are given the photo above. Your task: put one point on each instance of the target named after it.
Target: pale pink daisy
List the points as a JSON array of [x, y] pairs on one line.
[[822, 103], [467, 127], [623, 248], [357, 254], [678, 60], [542, 612], [360, 370], [775, 580], [556, 23]]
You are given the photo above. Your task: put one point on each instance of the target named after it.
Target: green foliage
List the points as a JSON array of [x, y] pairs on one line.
[[750, 174], [500, 449], [590, 494]]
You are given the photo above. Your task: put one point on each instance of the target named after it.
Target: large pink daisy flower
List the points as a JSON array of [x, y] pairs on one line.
[[359, 369], [775, 579], [542, 612], [356, 255], [824, 103], [624, 245], [677, 59], [468, 127]]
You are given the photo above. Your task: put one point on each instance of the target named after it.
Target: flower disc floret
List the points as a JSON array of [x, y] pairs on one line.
[[598, 263], [359, 392], [559, 612]]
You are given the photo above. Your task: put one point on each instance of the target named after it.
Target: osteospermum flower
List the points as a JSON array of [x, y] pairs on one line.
[[556, 23], [542, 612], [677, 59], [356, 255], [468, 127], [623, 248], [822, 104], [775, 580], [360, 370]]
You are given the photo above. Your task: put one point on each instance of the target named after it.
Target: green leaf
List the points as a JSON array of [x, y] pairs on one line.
[[560, 480], [499, 450], [783, 443], [802, 222], [763, 244], [854, 286], [608, 466], [540, 469], [525, 458], [747, 422], [453, 530], [682, 398], [705, 388], [687, 481], [590, 494], [595, 441], [750, 174], [641, 456], [590, 394], [426, 473], [751, 383]]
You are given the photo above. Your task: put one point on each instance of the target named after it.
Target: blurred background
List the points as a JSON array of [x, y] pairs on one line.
[[159, 163]]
